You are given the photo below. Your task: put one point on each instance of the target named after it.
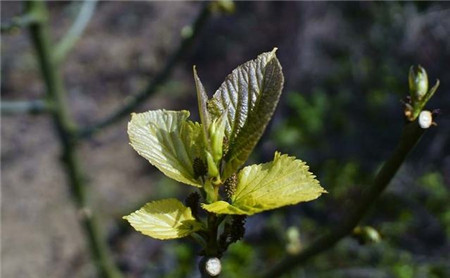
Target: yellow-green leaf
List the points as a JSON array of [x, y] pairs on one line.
[[248, 97], [284, 181], [164, 219], [169, 142]]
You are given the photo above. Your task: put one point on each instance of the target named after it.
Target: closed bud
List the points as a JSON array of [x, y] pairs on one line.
[[366, 234], [210, 267], [213, 171], [409, 112], [425, 119], [418, 82], [216, 135], [293, 245], [224, 6], [187, 32]]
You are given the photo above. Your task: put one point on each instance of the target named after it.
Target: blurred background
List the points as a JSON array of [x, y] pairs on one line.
[[345, 65]]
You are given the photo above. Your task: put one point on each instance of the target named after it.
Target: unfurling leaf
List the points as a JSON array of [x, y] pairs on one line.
[[169, 141], [216, 135], [164, 219], [284, 181], [213, 130], [248, 97], [202, 99]]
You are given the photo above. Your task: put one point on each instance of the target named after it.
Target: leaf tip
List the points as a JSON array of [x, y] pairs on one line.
[[273, 52]]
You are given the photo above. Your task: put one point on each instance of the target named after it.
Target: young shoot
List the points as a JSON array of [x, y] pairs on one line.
[[210, 155]]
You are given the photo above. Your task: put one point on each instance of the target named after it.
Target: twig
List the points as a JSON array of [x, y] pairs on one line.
[[411, 134], [19, 22], [68, 41], [24, 107], [158, 80], [65, 128]]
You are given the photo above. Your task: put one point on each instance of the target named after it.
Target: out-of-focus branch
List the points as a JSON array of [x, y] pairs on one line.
[[65, 128], [71, 37], [411, 134], [19, 22], [133, 102], [24, 107]]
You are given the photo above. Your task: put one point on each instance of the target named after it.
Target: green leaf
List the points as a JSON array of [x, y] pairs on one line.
[[202, 99], [284, 181], [169, 141], [164, 219], [248, 97]]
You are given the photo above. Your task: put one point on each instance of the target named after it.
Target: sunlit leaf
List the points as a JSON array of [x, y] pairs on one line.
[[164, 219], [169, 141], [202, 99], [248, 97], [284, 181]]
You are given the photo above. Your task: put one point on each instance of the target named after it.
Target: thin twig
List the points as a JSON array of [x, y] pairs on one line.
[[153, 86], [65, 128], [24, 107], [79, 25], [19, 22], [411, 134]]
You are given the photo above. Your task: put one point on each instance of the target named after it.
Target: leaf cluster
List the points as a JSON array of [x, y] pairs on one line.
[[210, 156]]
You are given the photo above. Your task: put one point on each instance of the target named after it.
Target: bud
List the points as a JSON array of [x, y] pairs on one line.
[[210, 266], [213, 266], [187, 32], [216, 135], [366, 234], [425, 119], [418, 82], [213, 171], [293, 245], [409, 112], [224, 6]]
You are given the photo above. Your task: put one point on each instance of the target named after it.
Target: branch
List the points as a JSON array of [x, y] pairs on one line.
[[158, 80], [24, 107], [410, 136], [19, 22], [65, 128], [69, 40]]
